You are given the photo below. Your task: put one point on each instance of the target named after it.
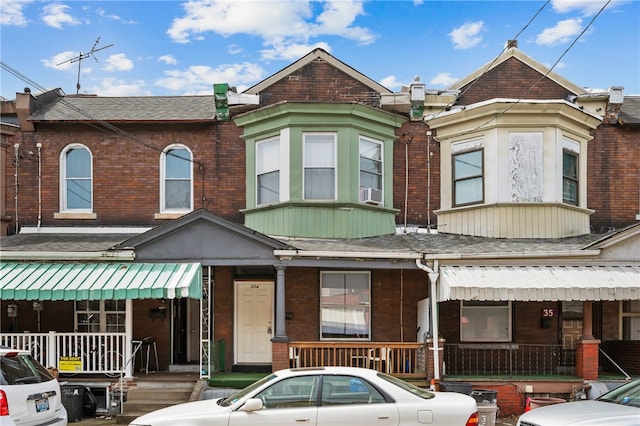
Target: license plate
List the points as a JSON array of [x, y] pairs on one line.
[[42, 405]]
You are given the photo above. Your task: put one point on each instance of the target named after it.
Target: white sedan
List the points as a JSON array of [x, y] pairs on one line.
[[323, 396]]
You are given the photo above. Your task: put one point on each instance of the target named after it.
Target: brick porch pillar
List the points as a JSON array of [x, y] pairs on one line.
[[587, 359], [429, 358], [280, 355]]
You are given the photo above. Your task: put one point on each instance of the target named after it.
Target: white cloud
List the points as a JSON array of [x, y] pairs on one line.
[[234, 49], [280, 24], [115, 87], [586, 7], [391, 82], [290, 52], [118, 62], [168, 59], [443, 79], [11, 12], [55, 15], [563, 32], [200, 79], [467, 35], [61, 61]]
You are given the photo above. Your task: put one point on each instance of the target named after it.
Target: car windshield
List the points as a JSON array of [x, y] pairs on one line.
[[627, 394], [244, 392], [422, 393], [18, 369]]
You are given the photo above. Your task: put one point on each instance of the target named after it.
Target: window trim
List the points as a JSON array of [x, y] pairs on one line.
[[467, 178], [380, 143], [63, 179], [566, 178], [508, 313], [260, 143], [334, 136], [366, 305], [102, 313], [163, 180]]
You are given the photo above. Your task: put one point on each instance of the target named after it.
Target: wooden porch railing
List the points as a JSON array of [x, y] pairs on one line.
[[396, 358], [73, 353]]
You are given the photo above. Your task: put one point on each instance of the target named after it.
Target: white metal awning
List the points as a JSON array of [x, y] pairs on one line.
[[540, 283]]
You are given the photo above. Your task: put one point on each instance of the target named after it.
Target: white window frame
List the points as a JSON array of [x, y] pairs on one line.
[[64, 179], [333, 166], [277, 167], [163, 180], [364, 305], [470, 310], [380, 175], [455, 180], [629, 319], [97, 309]]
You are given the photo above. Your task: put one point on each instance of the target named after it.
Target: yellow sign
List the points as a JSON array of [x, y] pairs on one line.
[[70, 364]]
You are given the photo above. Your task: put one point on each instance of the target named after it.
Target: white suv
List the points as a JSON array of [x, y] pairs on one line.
[[29, 395]]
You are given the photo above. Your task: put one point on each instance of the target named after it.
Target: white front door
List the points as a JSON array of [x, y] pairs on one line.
[[254, 321]]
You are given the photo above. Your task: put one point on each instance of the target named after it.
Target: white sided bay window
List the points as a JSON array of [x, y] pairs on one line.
[[485, 321], [345, 308], [319, 151], [268, 171]]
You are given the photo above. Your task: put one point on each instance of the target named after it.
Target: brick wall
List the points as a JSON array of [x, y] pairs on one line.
[[613, 196]]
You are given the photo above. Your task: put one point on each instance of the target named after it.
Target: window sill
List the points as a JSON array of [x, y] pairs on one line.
[[169, 215], [83, 216]]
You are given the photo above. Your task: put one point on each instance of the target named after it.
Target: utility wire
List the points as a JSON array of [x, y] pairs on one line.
[[545, 74]]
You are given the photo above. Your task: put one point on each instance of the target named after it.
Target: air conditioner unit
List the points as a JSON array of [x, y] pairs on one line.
[[371, 196]]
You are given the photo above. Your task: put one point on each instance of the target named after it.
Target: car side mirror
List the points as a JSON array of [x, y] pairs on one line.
[[252, 404]]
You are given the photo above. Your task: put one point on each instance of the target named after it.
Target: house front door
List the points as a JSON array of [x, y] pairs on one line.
[[254, 321]]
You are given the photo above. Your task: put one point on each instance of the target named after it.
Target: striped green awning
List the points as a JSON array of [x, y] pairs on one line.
[[99, 281]]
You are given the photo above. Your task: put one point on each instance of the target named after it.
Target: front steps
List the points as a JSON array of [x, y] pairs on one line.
[[147, 396]]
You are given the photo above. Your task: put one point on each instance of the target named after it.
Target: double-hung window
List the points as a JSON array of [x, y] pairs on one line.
[[176, 180], [319, 166], [345, 305], [371, 168], [468, 178], [485, 321], [77, 179], [569, 177], [268, 171]]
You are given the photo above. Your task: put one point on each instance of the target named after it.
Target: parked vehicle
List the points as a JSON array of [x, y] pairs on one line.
[[323, 396], [618, 407], [29, 394]]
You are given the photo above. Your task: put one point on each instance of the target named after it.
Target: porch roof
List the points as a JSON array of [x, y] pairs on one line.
[[96, 281], [540, 283]]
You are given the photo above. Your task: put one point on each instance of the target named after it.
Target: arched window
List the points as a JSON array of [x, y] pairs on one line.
[[176, 180], [76, 179]]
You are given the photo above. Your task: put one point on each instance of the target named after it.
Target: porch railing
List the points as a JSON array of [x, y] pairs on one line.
[[397, 358], [508, 359], [73, 353]]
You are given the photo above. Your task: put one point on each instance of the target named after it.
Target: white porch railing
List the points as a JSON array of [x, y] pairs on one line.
[[74, 353]]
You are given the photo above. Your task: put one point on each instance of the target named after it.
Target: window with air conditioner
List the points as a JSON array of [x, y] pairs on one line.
[[371, 171]]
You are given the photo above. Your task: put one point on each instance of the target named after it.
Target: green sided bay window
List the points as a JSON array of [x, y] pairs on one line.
[[485, 321], [345, 310]]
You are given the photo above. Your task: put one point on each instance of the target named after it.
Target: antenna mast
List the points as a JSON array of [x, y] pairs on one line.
[[82, 56]]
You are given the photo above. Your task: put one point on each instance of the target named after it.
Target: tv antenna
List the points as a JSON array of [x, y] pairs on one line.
[[82, 56]]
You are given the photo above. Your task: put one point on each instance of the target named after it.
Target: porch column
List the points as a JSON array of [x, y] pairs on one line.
[[587, 348], [128, 332], [281, 332]]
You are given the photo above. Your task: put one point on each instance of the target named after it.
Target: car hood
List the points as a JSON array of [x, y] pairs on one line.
[[204, 411], [582, 413]]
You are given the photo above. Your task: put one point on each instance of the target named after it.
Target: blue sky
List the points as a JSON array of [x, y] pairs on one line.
[[182, 48]]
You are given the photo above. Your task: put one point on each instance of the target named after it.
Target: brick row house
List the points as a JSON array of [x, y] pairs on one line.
[[319, 218]]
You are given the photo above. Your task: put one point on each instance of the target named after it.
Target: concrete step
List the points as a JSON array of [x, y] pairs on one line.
[[159, 394], [149, 396]]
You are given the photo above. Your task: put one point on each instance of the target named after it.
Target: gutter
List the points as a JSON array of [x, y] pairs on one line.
[[123, 255]]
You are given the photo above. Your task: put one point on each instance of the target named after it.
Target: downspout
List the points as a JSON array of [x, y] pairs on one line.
[[16, 147], [39, 146], [433, 278]]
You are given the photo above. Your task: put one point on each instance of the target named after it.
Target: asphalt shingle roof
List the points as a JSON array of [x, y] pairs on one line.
[[126, 109]]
